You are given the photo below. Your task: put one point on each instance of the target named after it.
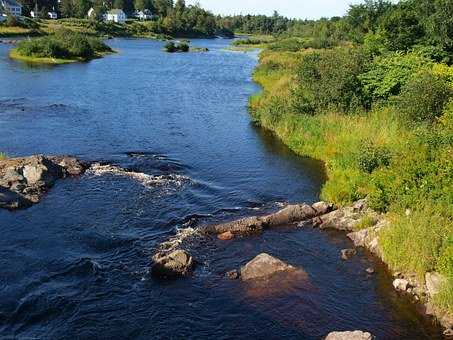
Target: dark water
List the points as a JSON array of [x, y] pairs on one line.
[[76, 265]]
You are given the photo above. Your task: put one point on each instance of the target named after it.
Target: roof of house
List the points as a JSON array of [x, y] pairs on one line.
[[12, 3], [115, 11]]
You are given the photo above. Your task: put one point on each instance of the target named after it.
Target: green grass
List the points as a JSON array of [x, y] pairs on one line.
[[13, 54], [419, 175]]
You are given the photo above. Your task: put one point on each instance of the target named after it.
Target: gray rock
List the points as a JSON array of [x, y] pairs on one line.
[[262, 266], [401, 284], [354, 335], [41, 170], [434, 282], [346, 254], [322, 207], [71, 165], [177, 263], [12, 200]]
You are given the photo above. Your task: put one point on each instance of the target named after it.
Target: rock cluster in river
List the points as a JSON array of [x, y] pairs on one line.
[[23, 181]]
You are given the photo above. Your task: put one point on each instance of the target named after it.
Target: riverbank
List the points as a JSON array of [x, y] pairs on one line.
[[129, 29], [404, 171]]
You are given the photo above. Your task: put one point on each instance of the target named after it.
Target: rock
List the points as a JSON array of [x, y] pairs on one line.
[[290, 214], [245, 226], [434, 282], [30, 177], [262, 266], [226, 236], [177, 263], [256, 224], [41, 169], [12, 200], [370, 270], [232, 275], [322, 208], [401, 284], [71, 165], [355, 335], [346, 254]]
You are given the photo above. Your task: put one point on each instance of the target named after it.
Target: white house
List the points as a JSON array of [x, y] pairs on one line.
[[12, 7], [116, 15], [91, 12], [52, 15], [143, 15]]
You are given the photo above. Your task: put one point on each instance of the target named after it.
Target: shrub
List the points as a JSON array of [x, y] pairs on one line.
[[183, 47], [388, 74], [62, 45], [372, 157], [330, 78], [170, 47], [424, 97]]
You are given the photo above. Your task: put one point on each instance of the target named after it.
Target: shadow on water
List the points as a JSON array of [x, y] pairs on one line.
[[314, 169]]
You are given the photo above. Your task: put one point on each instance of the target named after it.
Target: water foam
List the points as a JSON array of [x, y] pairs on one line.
[[149, 181]]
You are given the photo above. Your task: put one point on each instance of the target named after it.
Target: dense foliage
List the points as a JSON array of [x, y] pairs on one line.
[[371, 94], [63, 45]]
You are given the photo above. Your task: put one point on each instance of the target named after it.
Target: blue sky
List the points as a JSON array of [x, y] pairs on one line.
[[311, 9]]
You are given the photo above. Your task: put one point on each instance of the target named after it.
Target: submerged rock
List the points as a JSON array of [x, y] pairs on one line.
[[177, 263], [262, 266], [227, 236], [354, 335], [24, 181], [232, 275], [346, 254]]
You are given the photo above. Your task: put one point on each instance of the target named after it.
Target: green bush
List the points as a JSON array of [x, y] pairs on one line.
[[372, 157], [330, 79], [62, 45], [170, 47], [424, 97], [183, 47], [389, 73]]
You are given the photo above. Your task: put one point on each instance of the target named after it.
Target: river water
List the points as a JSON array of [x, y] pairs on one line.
[[76, 266]]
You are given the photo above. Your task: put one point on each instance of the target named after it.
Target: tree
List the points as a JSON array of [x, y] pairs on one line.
[[67, 8], [81, 8], [118, 4]]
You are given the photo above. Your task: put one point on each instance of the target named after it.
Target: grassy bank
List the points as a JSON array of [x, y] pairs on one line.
[[403, 165]]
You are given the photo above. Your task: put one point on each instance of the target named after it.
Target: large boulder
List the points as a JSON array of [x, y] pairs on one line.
[[174, 264], [263, 266], [354, 335]]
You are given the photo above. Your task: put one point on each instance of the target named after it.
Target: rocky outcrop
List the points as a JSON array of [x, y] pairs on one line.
[[434, 283], [354, 335], [256, 224], [23, 181], [175, 264], [263, 266]]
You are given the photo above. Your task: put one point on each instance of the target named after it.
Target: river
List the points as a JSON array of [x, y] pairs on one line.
[[77, 264]]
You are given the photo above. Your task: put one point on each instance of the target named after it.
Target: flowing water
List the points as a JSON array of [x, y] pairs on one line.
[[177, 150]]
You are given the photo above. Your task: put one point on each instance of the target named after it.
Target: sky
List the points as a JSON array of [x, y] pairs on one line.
[[303, 9]]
